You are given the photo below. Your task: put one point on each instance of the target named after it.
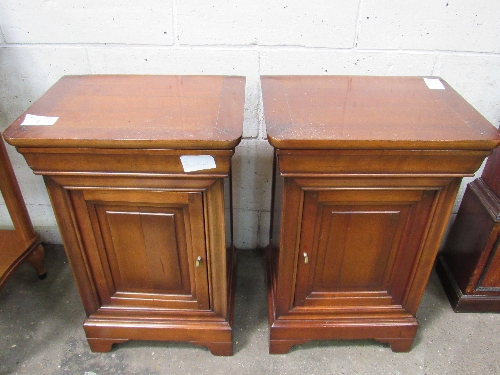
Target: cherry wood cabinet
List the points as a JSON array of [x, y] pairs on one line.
[[148, 237], [469, 265], [366, 173]]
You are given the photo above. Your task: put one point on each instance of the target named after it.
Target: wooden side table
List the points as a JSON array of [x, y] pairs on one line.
[[366, 173], [22, 243], [469, 265], [138, 169]]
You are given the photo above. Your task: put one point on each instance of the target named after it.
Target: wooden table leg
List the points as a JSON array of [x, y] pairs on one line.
[[23, 242]]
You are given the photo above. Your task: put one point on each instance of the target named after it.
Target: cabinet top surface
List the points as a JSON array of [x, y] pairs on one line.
[[356, 112], [133, 111]]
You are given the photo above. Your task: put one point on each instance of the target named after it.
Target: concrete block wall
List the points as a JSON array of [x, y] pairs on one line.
[[41, 40]]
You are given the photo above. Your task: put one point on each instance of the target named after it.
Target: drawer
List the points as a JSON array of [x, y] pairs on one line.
[[419, 162], [120, 161]]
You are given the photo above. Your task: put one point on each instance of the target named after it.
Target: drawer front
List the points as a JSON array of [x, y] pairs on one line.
[[146, 249], [379, 162], [122, 162]]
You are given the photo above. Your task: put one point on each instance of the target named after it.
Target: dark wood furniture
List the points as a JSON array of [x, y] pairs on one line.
[[148, 240], [469, 265], [366, 173], [22, 243]]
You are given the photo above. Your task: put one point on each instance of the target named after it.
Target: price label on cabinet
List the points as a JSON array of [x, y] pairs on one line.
[[191, 163]]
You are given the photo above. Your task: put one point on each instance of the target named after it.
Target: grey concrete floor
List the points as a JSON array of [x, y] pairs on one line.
[[41, 333]]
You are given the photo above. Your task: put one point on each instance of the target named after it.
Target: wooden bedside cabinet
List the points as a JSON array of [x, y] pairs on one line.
[[469, 265], [138, 169], [366, 173]]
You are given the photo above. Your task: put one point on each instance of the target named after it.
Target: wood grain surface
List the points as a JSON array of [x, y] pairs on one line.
[[124, 111], [341, 112]]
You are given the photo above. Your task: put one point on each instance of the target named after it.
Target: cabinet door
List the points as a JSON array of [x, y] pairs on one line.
[[357, 247], [146, 249]]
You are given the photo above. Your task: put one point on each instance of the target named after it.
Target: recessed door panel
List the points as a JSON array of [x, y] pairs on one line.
[[147, 249], [355, 248]]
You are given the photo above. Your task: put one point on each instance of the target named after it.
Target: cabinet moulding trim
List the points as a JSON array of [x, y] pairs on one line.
[[133, 174], [374, 175], [487, 198]]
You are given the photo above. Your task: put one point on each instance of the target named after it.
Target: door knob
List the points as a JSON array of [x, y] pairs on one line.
[[198, 262]]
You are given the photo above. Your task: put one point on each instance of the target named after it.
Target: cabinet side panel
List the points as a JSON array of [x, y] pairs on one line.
[[273, 250], [431, 242], [467, 239], [215, 227], [491, 173], [228, 211], [66, 220], [286, 263], [490, 280], [277, 206]]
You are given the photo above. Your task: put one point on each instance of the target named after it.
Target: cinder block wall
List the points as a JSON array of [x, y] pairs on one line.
[[42, 40]]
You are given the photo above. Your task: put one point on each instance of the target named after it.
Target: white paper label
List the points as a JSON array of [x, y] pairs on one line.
[[434, 83], [34, 120], [192, 163]]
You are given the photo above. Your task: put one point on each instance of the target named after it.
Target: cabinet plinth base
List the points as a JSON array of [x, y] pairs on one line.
[[103, 333], [398, 332], [284, 346], [398, 345], [287, 333], [459, 301], [103, 345]]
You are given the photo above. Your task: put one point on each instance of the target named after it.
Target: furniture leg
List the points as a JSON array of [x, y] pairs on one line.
[[36, 260]]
